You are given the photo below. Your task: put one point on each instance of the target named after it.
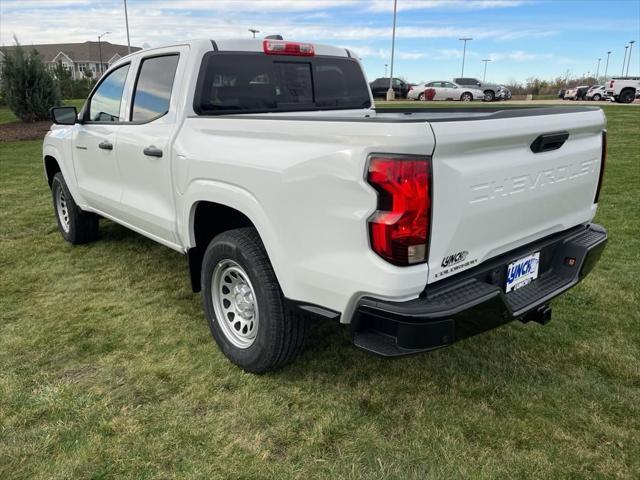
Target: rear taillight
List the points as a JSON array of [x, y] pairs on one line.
[[281, 47], [603, 161], [399, 229]]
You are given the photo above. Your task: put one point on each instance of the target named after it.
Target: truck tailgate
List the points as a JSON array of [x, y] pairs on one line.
[[492, 193]]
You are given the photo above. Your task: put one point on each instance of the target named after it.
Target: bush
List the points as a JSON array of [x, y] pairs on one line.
[[70, 88], [27, 86]]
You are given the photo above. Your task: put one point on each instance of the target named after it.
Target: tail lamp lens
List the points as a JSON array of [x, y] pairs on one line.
[[399, 229], [603, 161]]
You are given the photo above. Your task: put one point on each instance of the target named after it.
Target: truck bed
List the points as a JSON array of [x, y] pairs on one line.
[[416, 115]]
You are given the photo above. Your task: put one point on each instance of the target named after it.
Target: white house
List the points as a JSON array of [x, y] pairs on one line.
[[78, 57]]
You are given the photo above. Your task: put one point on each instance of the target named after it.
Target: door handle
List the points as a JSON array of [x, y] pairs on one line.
[[152, 151], [105, 145]]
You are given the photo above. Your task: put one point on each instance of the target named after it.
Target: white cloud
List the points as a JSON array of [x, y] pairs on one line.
[[387, 5], [519, 56]]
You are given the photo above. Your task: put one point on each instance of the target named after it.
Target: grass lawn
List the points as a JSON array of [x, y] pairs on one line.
[[6, 115], [108, 370]]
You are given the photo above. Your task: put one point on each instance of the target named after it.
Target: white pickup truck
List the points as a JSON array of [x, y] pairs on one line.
[[623, 89], [266, 163]]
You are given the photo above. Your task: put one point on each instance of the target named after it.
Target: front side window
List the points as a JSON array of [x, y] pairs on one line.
[[152, 93], [105, 102]]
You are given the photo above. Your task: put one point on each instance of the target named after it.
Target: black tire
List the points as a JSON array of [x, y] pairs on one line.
[[466, 97], [281, 332], [627, 96], [75, 225], [597, 97], [489, 96], [422, 97]]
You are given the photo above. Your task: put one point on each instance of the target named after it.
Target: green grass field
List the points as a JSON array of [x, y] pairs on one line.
[[108, 370], [6, 115]]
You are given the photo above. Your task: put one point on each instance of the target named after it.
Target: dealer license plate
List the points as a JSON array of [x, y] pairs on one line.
[[522, 272]]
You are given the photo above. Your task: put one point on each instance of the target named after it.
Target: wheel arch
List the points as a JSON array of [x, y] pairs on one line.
[[51, 167], [207, 219]]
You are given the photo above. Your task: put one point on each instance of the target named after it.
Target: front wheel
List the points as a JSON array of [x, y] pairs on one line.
[[75, 225], [244, 305], [597, 97], [466, 97], [489, 96], [422, 97]]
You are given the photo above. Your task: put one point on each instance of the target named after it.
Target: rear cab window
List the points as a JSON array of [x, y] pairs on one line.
[[231, 83]]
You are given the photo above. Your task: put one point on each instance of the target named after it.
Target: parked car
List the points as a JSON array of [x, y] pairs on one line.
[[595, 93], [581, 92], [623, 89], [267, 165], [446, 91], [561, 93], [380, 86], [570, 94], [492, 91]]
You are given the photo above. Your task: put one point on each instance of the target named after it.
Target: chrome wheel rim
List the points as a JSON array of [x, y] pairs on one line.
[[234, 303], [62, 209]]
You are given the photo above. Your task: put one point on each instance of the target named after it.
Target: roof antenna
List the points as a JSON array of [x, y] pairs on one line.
[[273, 37]]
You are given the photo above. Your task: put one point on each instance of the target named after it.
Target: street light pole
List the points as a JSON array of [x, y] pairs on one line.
[[100, 51], [390, 93], [629, 61], [254, 31], [464, 52], [484, 76], [624, 60], [606, 68], [598, 69], [126, 22]]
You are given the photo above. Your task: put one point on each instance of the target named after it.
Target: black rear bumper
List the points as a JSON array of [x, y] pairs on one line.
[[474, 301]]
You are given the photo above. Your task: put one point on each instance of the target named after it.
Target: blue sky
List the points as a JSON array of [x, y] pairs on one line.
[[523, 38]]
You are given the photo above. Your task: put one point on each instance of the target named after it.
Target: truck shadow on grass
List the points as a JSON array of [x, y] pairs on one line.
[[329, 356]]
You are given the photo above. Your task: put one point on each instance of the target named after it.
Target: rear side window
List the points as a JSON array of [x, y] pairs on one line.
[[152, 92], [256, 83]]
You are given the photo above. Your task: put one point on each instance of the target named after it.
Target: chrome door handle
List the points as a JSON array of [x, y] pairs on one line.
[[105, 145], [152, 151]]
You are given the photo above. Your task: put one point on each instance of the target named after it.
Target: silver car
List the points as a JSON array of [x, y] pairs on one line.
[[445, 90]]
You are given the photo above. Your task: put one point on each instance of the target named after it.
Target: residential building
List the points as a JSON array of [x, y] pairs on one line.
[[79, 57]]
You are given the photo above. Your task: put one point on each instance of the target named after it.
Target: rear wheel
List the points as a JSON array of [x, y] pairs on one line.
[[76, 226], [626, 96], [466, 97], [244, 305], [489, 96]]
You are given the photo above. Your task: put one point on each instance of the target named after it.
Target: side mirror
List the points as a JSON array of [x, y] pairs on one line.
[[64, 115]]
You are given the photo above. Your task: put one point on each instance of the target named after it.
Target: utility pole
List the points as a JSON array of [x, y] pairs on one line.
[[464, 52], [606, 68], [624, 60], [126, 22], [598, 69], [629, 61], [254, 31], [100, 51], [484, 76], [390, 93]]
